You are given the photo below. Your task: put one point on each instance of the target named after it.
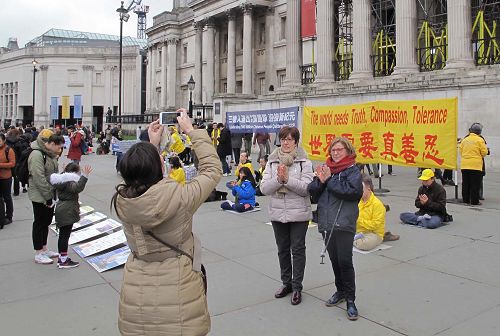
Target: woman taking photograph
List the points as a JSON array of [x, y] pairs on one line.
[[163, 290], [287, 174], [337, 187]]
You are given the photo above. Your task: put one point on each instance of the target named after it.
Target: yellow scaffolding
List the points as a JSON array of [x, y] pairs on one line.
[[343, 57], [384, 53], [487, 46], [432, 49]]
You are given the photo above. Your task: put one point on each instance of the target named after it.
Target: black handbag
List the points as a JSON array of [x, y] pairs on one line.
[[178, 250]]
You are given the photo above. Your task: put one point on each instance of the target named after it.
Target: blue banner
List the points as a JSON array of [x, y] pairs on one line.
[[54, 108], [77, 109], [263, 120]]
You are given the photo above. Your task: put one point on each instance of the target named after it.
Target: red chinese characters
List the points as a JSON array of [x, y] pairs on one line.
[[315, 144], [328, 140], [431, 152], [389, 146], [367, 145], [408, 151]]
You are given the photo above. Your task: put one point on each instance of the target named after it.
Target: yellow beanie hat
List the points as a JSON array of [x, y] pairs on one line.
[[45, 134]]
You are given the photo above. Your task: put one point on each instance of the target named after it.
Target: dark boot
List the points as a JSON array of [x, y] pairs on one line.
[[352, 311], [335, 299]]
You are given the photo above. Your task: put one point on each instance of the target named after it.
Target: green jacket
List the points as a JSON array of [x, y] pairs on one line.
[[68, 186], [39, 188]]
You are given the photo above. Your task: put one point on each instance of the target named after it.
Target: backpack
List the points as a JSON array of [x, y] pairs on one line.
[[84, 146], [22, 170]]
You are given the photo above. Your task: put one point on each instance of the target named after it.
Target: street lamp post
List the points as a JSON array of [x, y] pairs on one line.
[[191, 83], [123, 17], [35, 63]]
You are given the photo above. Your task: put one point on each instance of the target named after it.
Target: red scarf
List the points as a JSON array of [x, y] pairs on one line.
[[337, 167]]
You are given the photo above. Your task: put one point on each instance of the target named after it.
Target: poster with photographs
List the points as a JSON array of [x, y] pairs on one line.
[[89, 220], [110, 260], [101, 244], [94, 231]]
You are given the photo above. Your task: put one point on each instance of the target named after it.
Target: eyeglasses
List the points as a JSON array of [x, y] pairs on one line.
[[337, 150], [287, 140]]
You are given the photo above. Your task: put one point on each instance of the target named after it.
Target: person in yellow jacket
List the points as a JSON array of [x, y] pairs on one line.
[[243, 163], [215, 135], [176, 144], [176, 171], [370, 226], [472, 151]]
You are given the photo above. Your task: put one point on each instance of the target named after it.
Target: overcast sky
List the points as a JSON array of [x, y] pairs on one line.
[[27, 19]]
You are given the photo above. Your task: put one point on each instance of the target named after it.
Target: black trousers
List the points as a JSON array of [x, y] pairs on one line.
[[42, 219], [340, 251], [62, 242], [5, 188], [471, 183], [236, 153], [291, 241]]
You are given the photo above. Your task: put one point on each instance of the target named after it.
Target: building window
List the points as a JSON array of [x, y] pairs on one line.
[[262, 85], [224, 87], [239, 86], [224, 45], [283, 28], [98, 78], [185, 53], [262, 33], [281, 77], [159, 59]]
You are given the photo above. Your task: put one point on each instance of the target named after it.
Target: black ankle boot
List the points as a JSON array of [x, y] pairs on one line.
[[352, 311]]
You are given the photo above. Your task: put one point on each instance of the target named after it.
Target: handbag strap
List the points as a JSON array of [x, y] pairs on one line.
[[172, 247]]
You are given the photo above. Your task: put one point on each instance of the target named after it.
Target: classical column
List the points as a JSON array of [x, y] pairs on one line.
[[198, 46], [208, 76], [44, 102], [152, 78], [459, 34], [148, 80], [231, 52], [270, 69], [163, 102], [172, 71], [216, 60], [293, 43], [247, 48], [361, 40], [88, 71], [406, 37], [326, 18]]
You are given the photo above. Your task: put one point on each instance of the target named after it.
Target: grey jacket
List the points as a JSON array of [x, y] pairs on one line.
[[68, 186], [39, 188], [295, 205], [345, 186]]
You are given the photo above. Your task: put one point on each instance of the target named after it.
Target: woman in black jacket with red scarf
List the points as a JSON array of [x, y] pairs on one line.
[[337, 188]]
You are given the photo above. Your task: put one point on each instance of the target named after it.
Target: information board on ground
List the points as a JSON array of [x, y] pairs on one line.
[[101, 244], [109, 260], [93, 231], [89, 220], [85, 210]]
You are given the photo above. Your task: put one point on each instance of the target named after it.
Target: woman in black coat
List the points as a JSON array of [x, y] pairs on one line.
[[224, 148]]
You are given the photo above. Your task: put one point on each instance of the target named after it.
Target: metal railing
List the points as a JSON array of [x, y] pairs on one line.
[[203, 112], [343, 68], [308, 73], [432, 58], [486, 51], [383, 64], [133, 119]]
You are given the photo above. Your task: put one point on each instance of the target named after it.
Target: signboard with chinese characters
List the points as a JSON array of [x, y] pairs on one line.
[[262, 120], [419, 133]]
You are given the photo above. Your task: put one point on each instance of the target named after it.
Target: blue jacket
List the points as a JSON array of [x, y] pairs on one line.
[[245, 192], [346, 186]]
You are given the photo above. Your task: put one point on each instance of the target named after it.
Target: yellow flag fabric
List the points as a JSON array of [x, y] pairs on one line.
[[65, 107], [419, 133]]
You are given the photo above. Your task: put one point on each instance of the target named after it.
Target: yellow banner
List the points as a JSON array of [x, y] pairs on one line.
[[419, 133], [65, 107]]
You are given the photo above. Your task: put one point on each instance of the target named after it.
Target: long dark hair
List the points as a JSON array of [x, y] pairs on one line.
[[248, 176], [140, 169]]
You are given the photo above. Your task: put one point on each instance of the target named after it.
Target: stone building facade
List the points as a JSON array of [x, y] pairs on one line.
[[69, 63], [249, 55]]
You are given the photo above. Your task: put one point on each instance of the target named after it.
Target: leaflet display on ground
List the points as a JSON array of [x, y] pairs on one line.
[[101, 244], [109, 260], [89, 220], [95, 230], [85, 210]]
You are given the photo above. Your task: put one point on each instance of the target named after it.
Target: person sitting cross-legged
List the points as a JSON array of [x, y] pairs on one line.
[[370, 225], [431, 202], [244, 192]]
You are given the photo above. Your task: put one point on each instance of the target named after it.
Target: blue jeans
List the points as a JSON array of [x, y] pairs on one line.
[[239, 207], [412, 219]]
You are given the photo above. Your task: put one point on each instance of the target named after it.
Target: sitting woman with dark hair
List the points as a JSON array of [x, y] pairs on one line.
[[176, 171], [163, 287], [244, 192]]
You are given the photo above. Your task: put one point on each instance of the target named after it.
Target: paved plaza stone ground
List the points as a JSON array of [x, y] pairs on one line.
[[431, 282]]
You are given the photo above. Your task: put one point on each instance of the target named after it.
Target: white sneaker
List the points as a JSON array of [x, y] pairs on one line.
[[50, 254], [225, 174], [41, 258]]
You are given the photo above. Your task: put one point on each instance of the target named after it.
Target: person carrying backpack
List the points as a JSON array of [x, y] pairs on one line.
[[14, 142], [7, 163], [42, 162], [76, 138]]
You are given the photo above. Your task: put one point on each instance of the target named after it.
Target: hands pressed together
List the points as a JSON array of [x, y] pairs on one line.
[[323, 173], [282, 174]]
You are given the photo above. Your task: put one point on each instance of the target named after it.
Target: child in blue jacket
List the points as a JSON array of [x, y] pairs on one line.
[[243, 191]]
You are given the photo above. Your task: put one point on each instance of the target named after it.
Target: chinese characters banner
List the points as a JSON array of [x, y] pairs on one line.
[[65, 107], [262, 120], [54, 108], [77, 109], [419, 133], [308, 18]]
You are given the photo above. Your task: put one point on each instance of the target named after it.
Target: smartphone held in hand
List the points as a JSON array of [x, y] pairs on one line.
[[169, 118]]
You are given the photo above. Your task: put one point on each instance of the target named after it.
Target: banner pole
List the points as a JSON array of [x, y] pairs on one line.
[[380, 190]]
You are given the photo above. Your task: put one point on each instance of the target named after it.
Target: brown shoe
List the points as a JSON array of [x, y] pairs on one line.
[[296, 298], [282, 292], [388, 236]]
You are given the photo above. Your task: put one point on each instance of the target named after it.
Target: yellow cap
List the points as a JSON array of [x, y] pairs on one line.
[[427, 174], [45, 134]]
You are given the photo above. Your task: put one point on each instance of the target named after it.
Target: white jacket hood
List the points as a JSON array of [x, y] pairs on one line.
[[63, 178]]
